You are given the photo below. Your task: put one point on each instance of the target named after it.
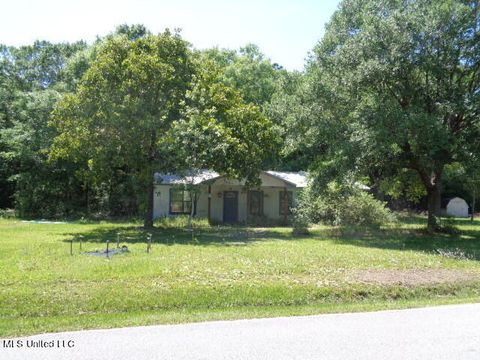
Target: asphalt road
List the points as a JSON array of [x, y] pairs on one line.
[[446, 332]]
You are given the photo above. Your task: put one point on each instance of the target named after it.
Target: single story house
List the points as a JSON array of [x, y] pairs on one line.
[[224, 200]]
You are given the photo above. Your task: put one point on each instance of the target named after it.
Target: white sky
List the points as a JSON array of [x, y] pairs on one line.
[[285, 30]]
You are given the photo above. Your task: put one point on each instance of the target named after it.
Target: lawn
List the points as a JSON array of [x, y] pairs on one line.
[[223, 272]]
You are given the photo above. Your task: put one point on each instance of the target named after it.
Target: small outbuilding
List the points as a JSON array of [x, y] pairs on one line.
[[457, 207]]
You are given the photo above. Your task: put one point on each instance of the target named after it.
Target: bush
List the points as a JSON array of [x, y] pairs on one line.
[[364, 210], [180, 221], [341, 206], [300, 222], [7, 213]]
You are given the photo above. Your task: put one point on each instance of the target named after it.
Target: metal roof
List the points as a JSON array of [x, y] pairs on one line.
[[297, 179], [191, 177]]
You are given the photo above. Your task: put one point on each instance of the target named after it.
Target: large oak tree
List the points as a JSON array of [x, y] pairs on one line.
[[125, 102], [147, 104], [394, 86]]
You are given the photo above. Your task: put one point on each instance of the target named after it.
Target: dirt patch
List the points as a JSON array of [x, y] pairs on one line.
[[414, 276]]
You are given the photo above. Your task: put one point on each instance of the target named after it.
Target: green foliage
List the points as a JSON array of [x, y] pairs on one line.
[[363, 209], [145, 104], [301, 218], [405, 184], [341, 206], [391, 86], [263, 83], [219, 131], [126, 100], [7, 213], [248, 71], [32, 79], [463, 180], [130, 104], [180, 222]]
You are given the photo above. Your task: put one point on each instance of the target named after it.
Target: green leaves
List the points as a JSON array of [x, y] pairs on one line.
[[222, 132], [132, 93], [392, 86], [145, 104]]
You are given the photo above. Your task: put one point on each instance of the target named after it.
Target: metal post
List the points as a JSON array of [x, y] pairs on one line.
[[149, 243], [71, 247], [107, 247], [118, 240], [80, 240]]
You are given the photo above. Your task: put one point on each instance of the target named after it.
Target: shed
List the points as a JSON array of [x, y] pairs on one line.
[[457, 207]]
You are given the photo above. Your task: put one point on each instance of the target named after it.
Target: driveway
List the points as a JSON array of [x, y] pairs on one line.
[[445, 332]]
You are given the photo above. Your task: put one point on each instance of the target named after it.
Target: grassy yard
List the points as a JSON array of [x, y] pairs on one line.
[[223, 273]]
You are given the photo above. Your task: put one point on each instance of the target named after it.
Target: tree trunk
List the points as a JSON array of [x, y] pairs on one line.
[[148, 223], [433, 198], [473, 206], [432, 182], [193, 199]]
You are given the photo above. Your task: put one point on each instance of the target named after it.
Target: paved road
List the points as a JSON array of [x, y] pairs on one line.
[[446, 332]]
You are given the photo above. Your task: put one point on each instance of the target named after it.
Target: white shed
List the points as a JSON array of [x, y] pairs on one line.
[[457, 207]]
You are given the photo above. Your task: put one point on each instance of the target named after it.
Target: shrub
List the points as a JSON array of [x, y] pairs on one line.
[[7, 213], [300, 222], [341, 206], [301, 214], [363, 209], [180, 221]]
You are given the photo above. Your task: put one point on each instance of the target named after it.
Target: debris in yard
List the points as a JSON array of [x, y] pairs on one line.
[[236, 243], [43, 222], [108, 253], [455, 254], [411, 277]]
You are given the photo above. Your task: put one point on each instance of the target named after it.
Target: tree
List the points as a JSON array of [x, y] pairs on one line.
[[146, 105], [395, 85], [248, 71], [220, 131], [124, 104], [287, 111], [32, 79]]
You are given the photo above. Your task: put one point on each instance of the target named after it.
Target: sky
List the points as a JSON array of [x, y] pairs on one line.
[[285, 30]]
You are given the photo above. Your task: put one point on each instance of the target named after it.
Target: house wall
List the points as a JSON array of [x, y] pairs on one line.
[[161, 201], [271, 188], [271, 202]]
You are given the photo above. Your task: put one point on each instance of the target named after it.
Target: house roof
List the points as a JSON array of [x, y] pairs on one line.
[[297, 179], [189, 178]]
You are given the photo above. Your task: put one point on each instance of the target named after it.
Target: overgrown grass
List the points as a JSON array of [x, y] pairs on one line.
[[217, 272]]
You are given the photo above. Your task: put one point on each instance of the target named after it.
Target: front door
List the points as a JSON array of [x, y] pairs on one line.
[[230, 206]]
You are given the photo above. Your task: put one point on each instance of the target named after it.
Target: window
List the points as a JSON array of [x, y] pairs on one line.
[[180, 202], [255, 203], [285, 203]]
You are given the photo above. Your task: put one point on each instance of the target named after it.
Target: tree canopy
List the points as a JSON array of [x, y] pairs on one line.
[[146, 105], [393, 86], [389, 97]]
